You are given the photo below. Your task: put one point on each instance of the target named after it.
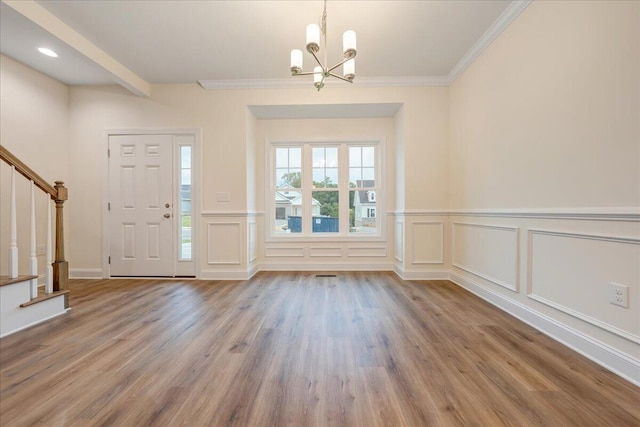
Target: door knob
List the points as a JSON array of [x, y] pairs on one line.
[[167, 215], [167, 205]]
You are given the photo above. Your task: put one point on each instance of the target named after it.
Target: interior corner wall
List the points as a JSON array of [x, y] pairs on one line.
[[34, 126], [545, 175]]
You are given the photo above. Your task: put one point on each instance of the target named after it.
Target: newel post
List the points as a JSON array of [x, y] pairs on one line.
[[60, 266]]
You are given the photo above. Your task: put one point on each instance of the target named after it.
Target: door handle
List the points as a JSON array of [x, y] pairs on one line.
[[167, 205], [167, 215]]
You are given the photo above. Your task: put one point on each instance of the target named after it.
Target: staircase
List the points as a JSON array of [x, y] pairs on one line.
[[23, 302]]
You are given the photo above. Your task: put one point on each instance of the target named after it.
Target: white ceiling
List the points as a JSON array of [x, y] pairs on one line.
[[184, 41]]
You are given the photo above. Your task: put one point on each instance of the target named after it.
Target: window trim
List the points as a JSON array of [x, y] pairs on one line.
[[343, 178]]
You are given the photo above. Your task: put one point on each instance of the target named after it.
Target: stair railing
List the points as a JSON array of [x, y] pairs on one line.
[[57, 272]]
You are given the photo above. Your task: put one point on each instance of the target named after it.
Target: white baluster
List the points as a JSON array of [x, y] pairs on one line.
[[13, 247], [48, 286], [33, 261]]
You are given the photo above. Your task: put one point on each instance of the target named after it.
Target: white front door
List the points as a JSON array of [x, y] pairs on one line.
[[141, 205]]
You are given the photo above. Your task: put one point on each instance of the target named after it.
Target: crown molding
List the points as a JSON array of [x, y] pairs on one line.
[[408, 81], [506, 17]]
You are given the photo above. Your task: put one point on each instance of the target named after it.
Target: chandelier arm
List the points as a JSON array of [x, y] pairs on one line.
[[317, 60], [338, 64], [340, 77], [306, 73]]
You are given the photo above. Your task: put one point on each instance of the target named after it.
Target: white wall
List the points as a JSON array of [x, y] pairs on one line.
[[545, 174], [34, 125], [229, 163]]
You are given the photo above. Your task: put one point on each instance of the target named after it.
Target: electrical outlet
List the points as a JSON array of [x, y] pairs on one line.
[[41, 250], [619, 295]]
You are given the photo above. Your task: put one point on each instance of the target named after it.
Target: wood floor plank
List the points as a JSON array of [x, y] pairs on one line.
[[292, 349]]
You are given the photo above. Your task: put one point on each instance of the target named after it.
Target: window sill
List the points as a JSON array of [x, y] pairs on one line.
[[325, 239]]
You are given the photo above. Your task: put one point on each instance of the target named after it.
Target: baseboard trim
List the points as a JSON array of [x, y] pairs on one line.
[[272, 266], [211, 274], [406, 274], [85, 273], [605, 356], [22, 328]]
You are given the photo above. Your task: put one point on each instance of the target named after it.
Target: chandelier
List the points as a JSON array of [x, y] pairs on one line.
[[321, 72]]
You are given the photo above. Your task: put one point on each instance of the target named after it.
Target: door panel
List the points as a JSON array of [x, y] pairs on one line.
[[140, 193]]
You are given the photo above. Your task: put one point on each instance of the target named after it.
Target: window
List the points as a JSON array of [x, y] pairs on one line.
[[324, 189], [185, 202]]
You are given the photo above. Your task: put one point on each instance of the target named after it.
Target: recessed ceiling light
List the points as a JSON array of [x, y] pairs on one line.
[[48, 52]]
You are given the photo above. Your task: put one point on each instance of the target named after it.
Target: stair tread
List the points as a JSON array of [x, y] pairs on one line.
[[5, 280], [44, 297]]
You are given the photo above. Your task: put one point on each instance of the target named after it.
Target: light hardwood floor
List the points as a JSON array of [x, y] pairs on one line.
[[362, 349]]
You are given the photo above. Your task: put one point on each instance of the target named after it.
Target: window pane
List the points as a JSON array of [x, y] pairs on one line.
[[185, 157], [318, 157], [318, 177], [355, 175], [332, 177], [288, 178], [185, 237], [331, 159], [185, 177], [325, 211], [288, 214], [368, 156], [368, 174], [282, 157], [355, 156], [362, 212], [295, 158]]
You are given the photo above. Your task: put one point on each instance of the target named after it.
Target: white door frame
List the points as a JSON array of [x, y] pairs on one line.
[[196, 191]]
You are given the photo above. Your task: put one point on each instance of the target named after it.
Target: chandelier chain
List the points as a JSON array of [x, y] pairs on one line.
[[324, 19]]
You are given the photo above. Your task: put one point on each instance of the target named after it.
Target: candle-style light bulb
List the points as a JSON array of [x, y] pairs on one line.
[[313, 38], [349, 44], [296, 61]]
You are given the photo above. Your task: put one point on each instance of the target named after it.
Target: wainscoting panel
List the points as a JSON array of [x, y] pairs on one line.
[[274, 252], [335, 252], [571, 272], [368, 251], [428, 242], [223, 243], [487, 251]]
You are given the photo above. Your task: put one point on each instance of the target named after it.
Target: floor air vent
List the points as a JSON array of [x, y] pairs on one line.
[[325, 275]]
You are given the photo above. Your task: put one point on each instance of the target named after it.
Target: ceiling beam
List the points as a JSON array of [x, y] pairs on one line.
[[50, 23]]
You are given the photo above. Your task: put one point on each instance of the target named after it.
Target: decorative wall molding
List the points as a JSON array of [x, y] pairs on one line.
[[516, 252], [575, 313], [335, 252], [442, 237], [593, 214], [235, 256], [324, 266], [506, 17], [627, 214], [585, 318], [600, 237], [279, 252], [368, 251], [606, 356], [288, 83]]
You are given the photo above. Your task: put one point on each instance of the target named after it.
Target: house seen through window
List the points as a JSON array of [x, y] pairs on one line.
[[324, 189]]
